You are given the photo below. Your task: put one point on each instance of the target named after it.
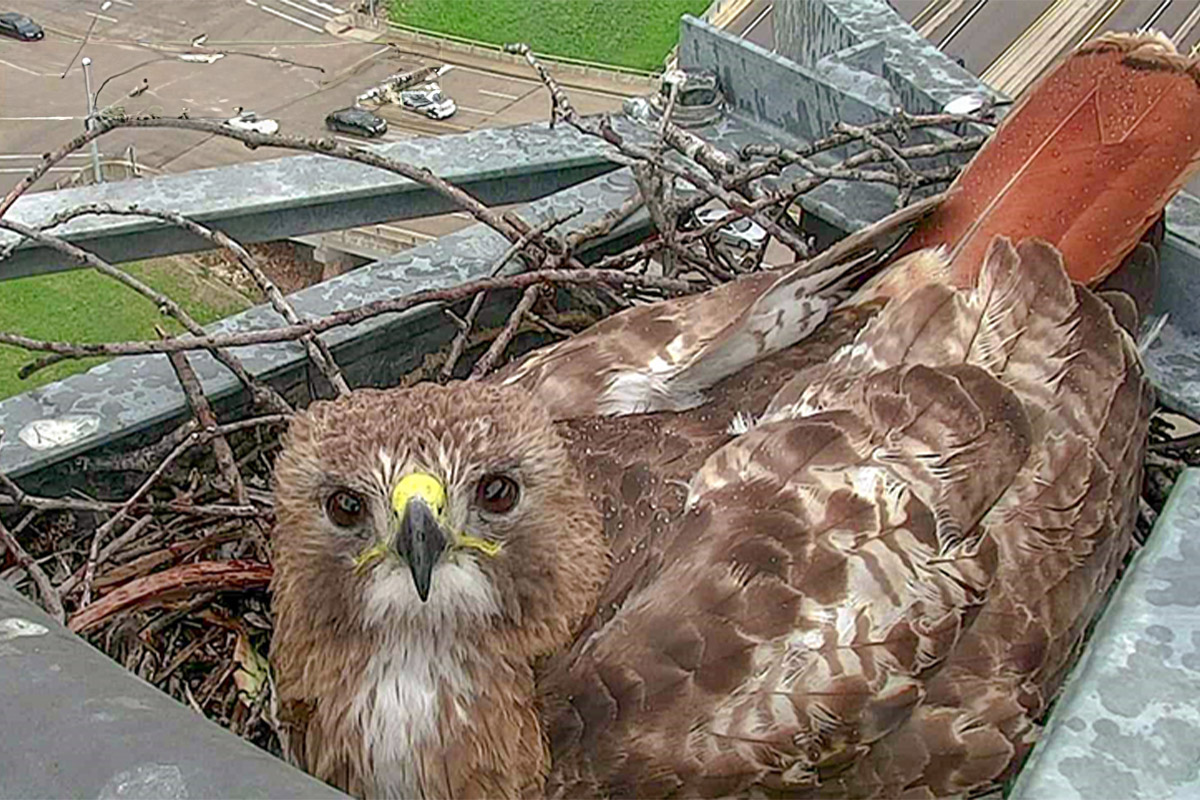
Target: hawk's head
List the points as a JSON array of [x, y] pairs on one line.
[[438, 507]]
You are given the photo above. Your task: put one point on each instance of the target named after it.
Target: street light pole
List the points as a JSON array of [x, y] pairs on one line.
[[91, 117]]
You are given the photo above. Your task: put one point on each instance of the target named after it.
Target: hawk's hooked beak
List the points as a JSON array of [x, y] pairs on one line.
[[419, 501]]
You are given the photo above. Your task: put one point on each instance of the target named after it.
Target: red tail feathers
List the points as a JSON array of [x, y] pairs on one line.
[[1087, 160]]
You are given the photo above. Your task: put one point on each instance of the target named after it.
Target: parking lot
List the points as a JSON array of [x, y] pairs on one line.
[[282, 59]]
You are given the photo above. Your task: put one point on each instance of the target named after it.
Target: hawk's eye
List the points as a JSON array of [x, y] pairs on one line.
[[497, 493], [345, 508]]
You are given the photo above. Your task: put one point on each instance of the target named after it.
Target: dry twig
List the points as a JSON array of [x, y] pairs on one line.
[[51, 600]]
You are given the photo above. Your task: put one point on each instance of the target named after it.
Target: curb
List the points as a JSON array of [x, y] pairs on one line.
[[355, 27]]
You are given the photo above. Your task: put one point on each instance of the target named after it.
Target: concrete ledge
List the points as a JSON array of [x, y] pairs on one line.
[[1173, 358], [1128, 723], [77, 724], [303, 194], [117, 403]]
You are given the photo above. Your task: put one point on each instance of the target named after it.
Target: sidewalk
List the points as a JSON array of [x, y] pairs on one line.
[[432, 49]]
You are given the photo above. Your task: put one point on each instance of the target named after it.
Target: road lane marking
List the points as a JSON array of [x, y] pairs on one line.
[[485, 113], [327, 7], [924, 13], [1104, 19], [939, 19], [1042, 42], [307, 10], [964, 22], [288, 17], [1158, 12], [504, 96], [757, 20], [101, 16], [19, 68], [37, 156], [1185, 28], [36, 119], [19, 171]]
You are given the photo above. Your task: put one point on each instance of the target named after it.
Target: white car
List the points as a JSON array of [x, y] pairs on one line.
[[741, 233], [428, 100], [249, 121]]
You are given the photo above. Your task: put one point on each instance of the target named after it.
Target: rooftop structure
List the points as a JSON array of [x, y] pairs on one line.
[[838, 60]]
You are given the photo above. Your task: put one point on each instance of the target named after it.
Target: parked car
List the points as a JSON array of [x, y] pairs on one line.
[[428, 100], [742, 233], [356, 120], [249, 121], [20, 26]]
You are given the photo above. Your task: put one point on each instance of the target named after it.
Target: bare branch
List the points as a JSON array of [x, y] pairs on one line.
[[286, 333], [318, 351], [51, 600], [201, 408], [464, 332], [485, 364], [261, 392]]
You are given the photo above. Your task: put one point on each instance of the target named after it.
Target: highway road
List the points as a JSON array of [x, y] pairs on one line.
[[1009, 43]]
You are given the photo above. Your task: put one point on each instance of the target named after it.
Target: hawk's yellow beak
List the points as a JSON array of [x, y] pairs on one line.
[[423, 531], [420, 502]]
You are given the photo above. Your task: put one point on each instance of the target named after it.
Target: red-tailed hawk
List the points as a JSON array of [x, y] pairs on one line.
[[747, 544]]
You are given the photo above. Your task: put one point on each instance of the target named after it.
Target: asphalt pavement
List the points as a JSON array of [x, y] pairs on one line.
[[280, 60]]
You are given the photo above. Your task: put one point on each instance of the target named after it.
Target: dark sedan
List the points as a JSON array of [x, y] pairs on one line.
[[20, 26], [356, 120]]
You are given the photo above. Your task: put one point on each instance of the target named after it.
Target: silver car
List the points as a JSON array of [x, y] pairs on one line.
[[742, 233], [428, 100]]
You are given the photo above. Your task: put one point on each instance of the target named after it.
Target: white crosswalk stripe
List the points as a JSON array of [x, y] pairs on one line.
[[283, 15], [327, 7], [306, 10]]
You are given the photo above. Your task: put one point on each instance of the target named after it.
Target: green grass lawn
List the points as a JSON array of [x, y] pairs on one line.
[[629, 33], [85, 306]]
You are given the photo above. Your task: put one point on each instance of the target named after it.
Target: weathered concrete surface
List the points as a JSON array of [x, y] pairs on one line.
[[300, 194], [1173, 358], [1128, 723], [77, 724], [922, 76]]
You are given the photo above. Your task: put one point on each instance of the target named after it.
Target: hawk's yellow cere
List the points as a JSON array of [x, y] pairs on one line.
[[419, 484]]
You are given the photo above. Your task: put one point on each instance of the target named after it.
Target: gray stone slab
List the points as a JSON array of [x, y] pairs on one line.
[[1128, 723], [777, 91], [77, 724], [922, 76], [301, 194], [1173, 357], [133, 394]]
